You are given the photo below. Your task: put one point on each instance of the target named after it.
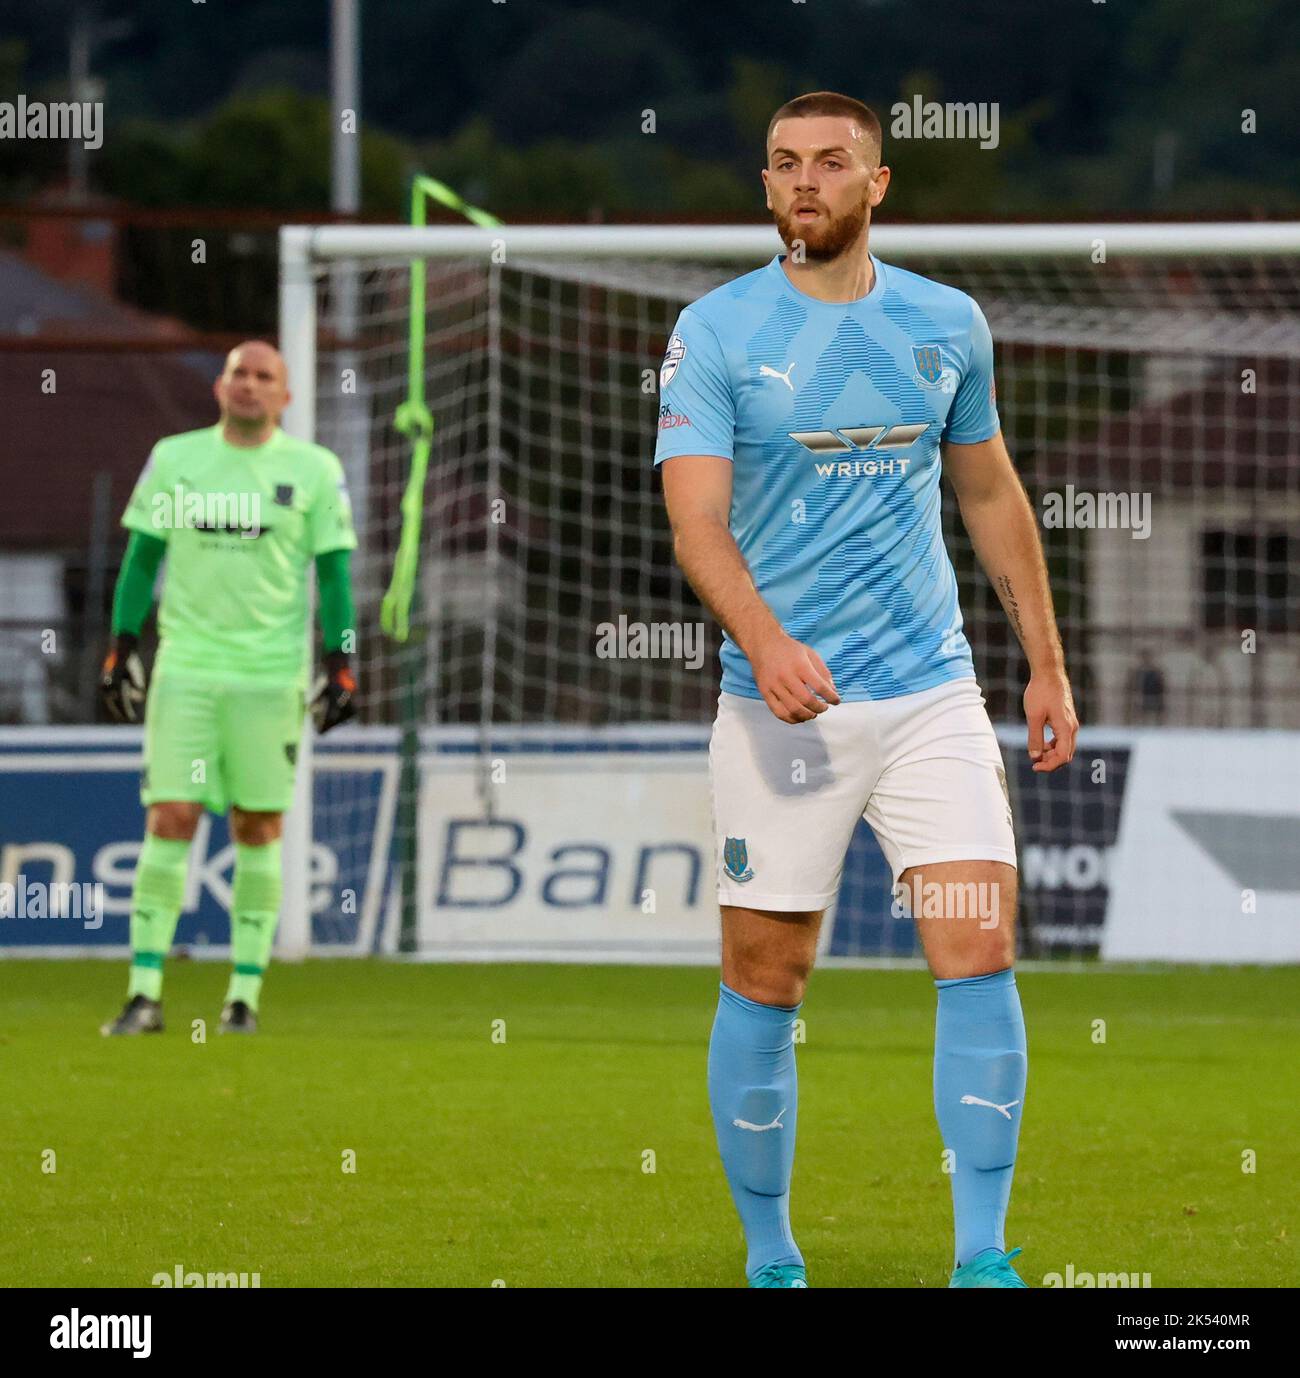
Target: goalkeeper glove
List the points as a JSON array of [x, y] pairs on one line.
[[122, 682], [334, 693]]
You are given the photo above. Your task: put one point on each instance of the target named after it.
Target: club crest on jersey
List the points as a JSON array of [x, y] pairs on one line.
[[673, 356], [929, 362], [735, 858], [284, 494]]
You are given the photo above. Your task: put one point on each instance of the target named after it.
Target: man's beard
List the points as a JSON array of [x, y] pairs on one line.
[[247, 425], [822, 241]]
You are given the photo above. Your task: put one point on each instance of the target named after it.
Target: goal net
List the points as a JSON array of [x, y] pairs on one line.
[[556, 691]]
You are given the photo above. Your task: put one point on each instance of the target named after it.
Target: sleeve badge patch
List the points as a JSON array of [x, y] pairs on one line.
[[673, 356]]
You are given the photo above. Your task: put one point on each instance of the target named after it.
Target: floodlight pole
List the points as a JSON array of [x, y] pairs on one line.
[[350, 428], [345, 94], [298, 346], [345, 416]]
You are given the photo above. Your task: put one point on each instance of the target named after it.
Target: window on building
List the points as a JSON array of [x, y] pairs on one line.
[[1250, 579]]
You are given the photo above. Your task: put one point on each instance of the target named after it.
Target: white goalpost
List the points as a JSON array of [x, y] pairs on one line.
[[514, 789]]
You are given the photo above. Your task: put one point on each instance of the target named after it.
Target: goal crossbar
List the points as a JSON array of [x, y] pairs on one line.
[[302, 243]]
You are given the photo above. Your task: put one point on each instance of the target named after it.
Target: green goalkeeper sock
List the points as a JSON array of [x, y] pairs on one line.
[[156, 900], [254, 911]]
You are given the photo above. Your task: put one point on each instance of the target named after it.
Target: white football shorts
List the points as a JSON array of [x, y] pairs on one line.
[[923, 769]]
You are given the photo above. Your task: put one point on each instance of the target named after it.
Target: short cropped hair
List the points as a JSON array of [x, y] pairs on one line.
[[830, 103]]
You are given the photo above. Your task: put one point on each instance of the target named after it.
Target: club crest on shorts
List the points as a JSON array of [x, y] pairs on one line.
[[735, 859], [1006, 793]]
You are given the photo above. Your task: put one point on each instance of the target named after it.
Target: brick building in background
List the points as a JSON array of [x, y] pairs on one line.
[[87, 385]]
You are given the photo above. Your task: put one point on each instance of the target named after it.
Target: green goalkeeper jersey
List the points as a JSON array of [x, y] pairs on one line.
[[242, 528]]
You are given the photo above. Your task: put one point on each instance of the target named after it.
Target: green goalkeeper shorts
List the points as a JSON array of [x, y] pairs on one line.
[[221, 742]]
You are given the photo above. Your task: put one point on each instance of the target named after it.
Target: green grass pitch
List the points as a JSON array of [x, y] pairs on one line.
[[525, 1161]]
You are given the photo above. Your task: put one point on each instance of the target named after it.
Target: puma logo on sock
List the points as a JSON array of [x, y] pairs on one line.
[[1003, 1110], [762, 1128]]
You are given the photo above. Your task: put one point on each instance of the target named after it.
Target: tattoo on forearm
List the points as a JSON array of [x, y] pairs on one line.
[[1012, 607]]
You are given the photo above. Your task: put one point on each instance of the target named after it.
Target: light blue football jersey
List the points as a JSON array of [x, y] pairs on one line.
[[833, 414]]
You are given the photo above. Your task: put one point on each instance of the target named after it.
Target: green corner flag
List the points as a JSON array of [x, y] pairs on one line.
[[414, 419]]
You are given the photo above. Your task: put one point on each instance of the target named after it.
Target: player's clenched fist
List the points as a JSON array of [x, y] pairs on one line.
[[792, 678], [122, 682], [1049, 703]]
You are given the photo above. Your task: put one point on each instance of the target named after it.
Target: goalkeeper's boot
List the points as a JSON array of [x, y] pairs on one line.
[[236, 1017], [988, 1268], [780, 1275], [139, 1015]]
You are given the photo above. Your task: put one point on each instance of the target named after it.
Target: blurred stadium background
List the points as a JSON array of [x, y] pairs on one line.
[[1166, 377]]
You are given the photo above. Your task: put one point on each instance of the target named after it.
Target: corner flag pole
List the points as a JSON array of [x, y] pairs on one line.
[[415, 421], [413, 418]]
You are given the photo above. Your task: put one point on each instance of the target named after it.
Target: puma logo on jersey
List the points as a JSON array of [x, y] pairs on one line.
[[767, 371], [1003, 1110], [763, 1128]]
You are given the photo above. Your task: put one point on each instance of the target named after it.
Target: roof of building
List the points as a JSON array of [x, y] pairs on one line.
[[91, 394], [1203, 435]]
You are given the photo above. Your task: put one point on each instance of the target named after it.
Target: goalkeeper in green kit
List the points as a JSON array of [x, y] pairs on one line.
[[241, 511]]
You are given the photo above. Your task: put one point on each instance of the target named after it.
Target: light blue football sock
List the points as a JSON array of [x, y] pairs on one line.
[[980, 1065], [754, 1095]]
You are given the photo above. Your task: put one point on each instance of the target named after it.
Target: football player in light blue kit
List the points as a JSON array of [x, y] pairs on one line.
[[808, 411]]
